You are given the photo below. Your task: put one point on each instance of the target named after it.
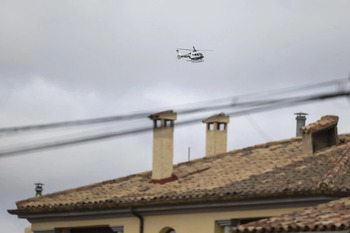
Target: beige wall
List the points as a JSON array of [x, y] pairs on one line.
[[216, 140], [181, 223], [28, 230], [307, 143], [163, 147]]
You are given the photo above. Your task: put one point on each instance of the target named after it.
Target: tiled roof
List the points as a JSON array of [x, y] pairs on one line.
[[265, 170], [332, 216], [323, 123], [168, 115], [221, 117]]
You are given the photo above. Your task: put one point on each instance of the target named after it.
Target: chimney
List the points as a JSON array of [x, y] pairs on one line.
[[320, 134], [216, 133], [38, 189], [300, 121], [163, 143]]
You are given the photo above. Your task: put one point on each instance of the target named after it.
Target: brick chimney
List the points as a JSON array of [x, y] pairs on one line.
[[216, 133], [320, 134], [163, 143]]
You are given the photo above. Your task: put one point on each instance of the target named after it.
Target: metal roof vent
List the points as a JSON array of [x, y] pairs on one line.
[[38, 189], [300, 122]]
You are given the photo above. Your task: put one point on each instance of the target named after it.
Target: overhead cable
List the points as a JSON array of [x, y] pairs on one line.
[[281, 104], [208, 106]]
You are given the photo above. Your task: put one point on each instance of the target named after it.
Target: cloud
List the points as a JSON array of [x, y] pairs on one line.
[[67, 60]]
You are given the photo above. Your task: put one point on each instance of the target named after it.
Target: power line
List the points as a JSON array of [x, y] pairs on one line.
[[75, 123], [257, 128], [275, 105], [128, 117], [273, 92], [213, 105]]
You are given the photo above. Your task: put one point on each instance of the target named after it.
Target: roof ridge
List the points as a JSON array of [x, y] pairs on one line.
[[330, 178]]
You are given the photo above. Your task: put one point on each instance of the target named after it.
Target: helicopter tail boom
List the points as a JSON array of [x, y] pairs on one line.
[[178, 56]]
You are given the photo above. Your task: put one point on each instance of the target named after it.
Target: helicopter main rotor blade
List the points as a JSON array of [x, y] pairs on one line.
[[185, 49], [204, 50]]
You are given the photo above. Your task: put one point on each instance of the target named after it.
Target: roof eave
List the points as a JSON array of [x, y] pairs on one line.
[[46, 215]]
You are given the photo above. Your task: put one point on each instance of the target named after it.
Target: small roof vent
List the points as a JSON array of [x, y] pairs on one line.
[[38, 189]]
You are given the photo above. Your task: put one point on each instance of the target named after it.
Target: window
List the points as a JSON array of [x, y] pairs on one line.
[[167, 230], [92, 230]]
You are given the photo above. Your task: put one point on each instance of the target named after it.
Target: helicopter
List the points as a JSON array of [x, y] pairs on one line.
[[194, 55]]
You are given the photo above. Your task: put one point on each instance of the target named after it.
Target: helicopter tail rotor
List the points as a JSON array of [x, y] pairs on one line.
[[178, 56]]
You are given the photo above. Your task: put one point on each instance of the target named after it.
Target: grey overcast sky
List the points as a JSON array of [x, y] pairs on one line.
[[67, 60]]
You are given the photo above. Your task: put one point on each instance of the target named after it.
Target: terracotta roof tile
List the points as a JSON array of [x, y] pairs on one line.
[[323, 123], [169, 114], [221, 117], [276, 168], [332, 216]]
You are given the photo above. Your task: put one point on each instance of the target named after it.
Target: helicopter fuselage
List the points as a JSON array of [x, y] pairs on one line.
[[194, 56]]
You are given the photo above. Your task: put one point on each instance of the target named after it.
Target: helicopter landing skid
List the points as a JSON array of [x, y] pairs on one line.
[[196, 61]]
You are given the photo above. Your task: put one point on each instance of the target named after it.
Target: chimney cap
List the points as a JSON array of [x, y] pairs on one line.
[[301, 113], [166, 115], [221, 118]]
